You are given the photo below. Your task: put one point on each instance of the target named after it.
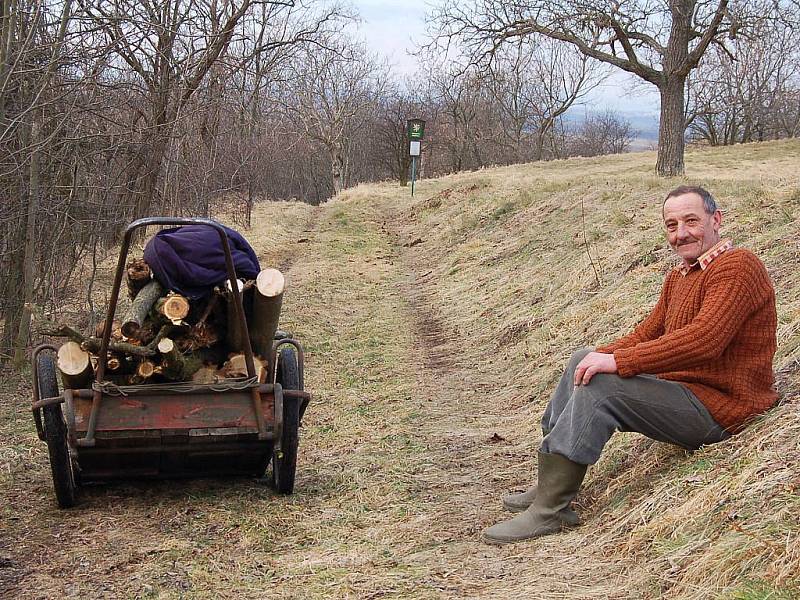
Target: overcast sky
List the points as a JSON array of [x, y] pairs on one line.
[[392, 27]]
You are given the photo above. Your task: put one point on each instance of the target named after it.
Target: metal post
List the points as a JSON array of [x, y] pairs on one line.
[[413, 173]]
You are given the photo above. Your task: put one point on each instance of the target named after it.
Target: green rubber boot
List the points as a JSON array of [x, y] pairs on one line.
[[517, 503], [559, 482]]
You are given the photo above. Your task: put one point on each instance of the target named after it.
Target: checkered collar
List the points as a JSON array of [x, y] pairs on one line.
[[707, 257]]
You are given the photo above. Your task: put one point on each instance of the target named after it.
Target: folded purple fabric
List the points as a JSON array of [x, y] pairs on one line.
[[190, 259]]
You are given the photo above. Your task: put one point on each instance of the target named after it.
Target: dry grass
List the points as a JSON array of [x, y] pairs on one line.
[[418, 353]]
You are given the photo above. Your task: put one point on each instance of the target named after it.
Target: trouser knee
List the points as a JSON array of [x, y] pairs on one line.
[[584, 427], [563, 391]]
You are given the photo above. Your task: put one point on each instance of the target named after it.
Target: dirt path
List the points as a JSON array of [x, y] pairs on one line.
[[474, 463], [399, 469]]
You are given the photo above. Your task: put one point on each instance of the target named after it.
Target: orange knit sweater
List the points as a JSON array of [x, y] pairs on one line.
[[713, 331]]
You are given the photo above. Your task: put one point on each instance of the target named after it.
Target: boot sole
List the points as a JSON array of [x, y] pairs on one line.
[[498, 542], [519, 509]]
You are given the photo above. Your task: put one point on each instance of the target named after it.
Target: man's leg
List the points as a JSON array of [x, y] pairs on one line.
[[563, 391], [558, 400], [662, 410]]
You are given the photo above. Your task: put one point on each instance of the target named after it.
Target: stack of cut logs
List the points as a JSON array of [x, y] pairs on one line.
[[163, 337]]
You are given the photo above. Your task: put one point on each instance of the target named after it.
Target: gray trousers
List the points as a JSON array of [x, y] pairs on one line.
[[579, 420]]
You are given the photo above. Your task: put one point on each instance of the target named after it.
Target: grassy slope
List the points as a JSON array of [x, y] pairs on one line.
[[430, 362], [512, 277]]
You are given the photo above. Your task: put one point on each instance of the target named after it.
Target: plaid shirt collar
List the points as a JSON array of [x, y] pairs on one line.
[[707, 257]]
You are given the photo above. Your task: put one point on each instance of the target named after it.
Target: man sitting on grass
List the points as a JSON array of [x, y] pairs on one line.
[[693, 372]]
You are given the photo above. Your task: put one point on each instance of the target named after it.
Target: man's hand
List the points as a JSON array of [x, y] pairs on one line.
[[593, 363]]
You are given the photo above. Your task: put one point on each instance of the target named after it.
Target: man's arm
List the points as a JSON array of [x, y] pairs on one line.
[[603, 360]]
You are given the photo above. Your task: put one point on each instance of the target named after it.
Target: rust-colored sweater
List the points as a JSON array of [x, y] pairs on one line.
[[714, 331]]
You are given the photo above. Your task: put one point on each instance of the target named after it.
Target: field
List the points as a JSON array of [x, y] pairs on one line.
[[435, 327]]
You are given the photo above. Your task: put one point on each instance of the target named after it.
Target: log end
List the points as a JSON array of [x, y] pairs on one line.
[[270, 283]]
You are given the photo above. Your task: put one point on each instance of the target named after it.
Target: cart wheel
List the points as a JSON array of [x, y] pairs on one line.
[[284, 457], [55, 433]]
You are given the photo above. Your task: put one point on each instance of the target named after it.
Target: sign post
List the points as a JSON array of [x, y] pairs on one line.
[[416, 131]]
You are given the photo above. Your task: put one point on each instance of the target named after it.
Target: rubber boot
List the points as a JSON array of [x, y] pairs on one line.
[[519, 502], [516, 503], [559, 482]]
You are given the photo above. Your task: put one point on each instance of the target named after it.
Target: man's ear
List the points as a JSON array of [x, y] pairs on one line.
[[717, 220]]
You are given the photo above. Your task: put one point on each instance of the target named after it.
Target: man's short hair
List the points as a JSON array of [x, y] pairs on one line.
[[709, 204]]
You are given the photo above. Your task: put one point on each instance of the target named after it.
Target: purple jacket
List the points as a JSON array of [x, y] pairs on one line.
[[190, 259]]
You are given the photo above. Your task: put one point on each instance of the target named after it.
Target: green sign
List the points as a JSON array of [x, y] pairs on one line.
[[416, 129]]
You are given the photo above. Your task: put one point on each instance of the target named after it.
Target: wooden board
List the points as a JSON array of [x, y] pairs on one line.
[[173, 411]]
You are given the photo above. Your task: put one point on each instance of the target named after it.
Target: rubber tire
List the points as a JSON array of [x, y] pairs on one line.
[[284, 458], [55, 433]]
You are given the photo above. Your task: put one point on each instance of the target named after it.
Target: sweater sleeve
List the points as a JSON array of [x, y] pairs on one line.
[[734, 288], [650, 328]]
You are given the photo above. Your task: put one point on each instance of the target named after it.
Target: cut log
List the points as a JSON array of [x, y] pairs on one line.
[[116, 329], [267, 301], [75, 366], [174, 365], [166, 346], [173, 307], [138, 275], [140, 306], [145, 370], [236, 366]]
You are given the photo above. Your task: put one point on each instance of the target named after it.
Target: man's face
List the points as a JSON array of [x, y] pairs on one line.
[[690, 230]]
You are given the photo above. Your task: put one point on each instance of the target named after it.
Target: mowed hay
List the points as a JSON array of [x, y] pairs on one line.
[[525, 264]]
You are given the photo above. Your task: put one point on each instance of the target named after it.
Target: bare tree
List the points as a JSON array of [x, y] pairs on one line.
[[742, 93], [535, 82], [326, 92], [658, 41], [393, 112], [603, 133]]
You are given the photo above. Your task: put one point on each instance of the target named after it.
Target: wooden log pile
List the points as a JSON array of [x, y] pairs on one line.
[[163, 337]]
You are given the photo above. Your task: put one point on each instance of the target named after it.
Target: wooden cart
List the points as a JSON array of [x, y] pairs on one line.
[[233, 427]]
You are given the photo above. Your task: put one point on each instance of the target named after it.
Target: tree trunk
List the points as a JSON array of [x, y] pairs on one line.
[[405, 165], [671, 128], [29, 262], [337, 167]]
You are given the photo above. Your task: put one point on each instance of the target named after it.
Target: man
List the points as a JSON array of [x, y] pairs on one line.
[[693, 372]]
